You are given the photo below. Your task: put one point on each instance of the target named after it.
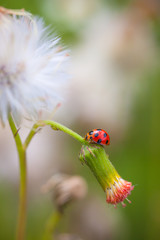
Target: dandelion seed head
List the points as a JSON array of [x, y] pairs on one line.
[[32, 67]]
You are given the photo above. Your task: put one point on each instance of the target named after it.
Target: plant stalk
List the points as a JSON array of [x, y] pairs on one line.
[[51, 225], [21, 223], [55, 126]]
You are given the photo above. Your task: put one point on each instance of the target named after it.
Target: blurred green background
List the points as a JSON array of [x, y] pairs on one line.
[[134, 130]]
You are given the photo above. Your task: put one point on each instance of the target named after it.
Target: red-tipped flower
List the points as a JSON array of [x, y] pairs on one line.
[[119, 191], [116, 189]]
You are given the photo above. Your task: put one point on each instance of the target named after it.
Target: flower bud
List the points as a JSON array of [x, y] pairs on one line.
[[65, 189], [116, 189]]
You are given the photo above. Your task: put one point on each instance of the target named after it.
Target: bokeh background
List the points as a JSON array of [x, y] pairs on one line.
[[115, 85]]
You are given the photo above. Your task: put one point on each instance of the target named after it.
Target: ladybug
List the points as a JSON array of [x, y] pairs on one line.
[[98, 136]]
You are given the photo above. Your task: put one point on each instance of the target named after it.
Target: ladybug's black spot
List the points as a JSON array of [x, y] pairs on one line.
[[99, 141], [98, 129], [91, 137], [91, 132], [96, 134], [106, 141], [105, 134]]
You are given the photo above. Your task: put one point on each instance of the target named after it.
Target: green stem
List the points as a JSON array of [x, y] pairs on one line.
[[51, 224], [32, 133], [58, 126], [21, 148], [21, 224], [55, 126]]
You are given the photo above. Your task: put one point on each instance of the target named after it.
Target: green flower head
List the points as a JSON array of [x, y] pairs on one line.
[[116, 189]]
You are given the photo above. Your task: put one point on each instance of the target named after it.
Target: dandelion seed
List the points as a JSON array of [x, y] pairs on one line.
[[32, 66]]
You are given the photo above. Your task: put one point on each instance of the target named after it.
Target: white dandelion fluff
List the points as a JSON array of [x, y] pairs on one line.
[[32, 67]]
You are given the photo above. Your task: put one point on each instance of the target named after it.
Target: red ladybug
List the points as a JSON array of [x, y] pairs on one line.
[[98, 136]]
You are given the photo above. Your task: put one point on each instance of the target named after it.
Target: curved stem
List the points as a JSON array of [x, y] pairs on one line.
[[51, 224], [15, 134], [55, 126], [21, 224], [31, 134], [58, 126], [21, 148]]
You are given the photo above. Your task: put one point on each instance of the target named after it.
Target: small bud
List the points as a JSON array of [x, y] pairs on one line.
[[116, 189], [66, 188]]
